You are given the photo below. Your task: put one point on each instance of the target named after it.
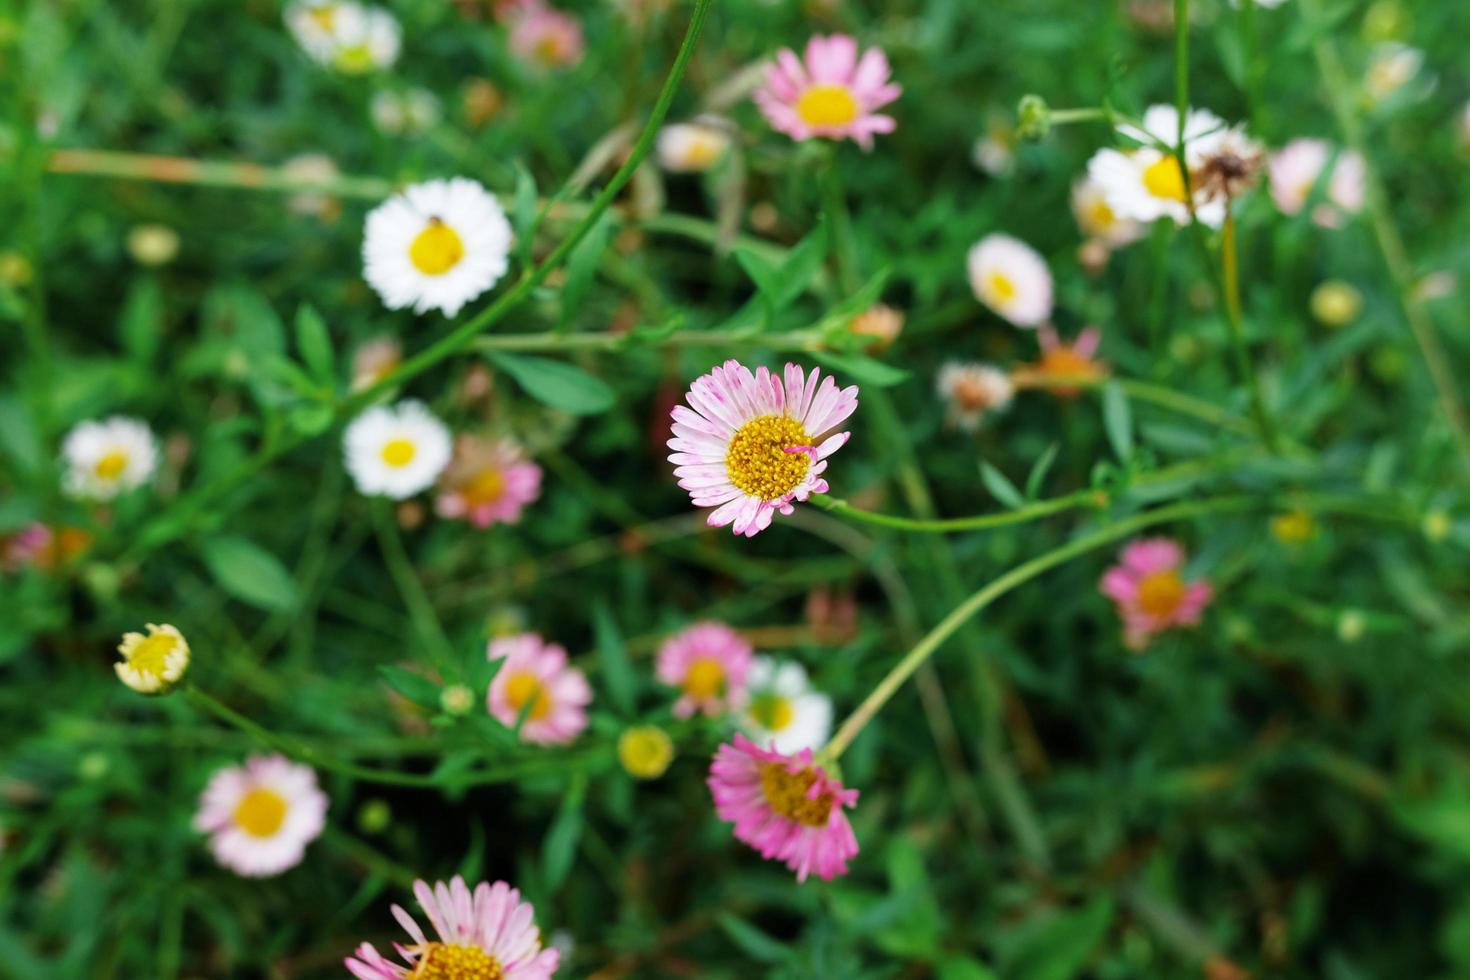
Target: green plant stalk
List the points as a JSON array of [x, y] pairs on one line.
[[420, 608], [800, 340], [1229, 284], [1339, 92]]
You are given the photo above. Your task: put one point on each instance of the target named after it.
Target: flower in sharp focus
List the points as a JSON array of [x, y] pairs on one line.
[[260, 816], [1011, 278], [154, 663], [881, 324], [1296, 169], [707, 662], [749, 445], [488, 481], [1147, 183], [1060, 359], [106, 458], [1149, 592], [692, 147], [832, 93], [436, 245], [487, 934], [971, 390], [396, 451], [645, 751], [1097, 219], [785, 806], [536, 680], [546, 38], [781, 710]]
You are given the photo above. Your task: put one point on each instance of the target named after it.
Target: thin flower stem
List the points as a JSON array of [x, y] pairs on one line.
[[1229, 284], [400, 567], [211, 173], [980, 522], [802, 340], [1062, 117], [1340, 94], [834, 205]]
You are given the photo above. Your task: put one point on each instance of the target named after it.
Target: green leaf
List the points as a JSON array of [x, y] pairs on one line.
[[582, 266], [556, 383], [249, 573], [314, 344], [963, 968], [1000, 487], [1118, 421], [560, 848], [752, 941], [1060, 947], [862, 369], [141, 325], [416, 687], [618, 679], [523, 213], [1039, 469]]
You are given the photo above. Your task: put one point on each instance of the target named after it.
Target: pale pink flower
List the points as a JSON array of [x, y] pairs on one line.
[[1011, 278], [970, 391], [536, 673], [785, 806], [832, 94], [260, 816], [1149, 592], [750, 444], [545, 37], [488, 481], [1060, 359], [708, 663], [1298, 166], [487, 933]]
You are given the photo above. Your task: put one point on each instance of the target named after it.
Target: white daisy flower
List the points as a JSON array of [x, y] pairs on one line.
[[781, 711], [405, 113], [1009, 276], [685, 148], [1298, 166], [106, 458], [260, 816], [318, 25], [1392, 67], [152, 664], [436, 245], [994, 151], [1147, 183], [367, 40], [971, 390], [1096, 218], [396, 451]]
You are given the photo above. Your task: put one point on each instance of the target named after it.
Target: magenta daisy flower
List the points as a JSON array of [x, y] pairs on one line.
[[487, 482], [1150, 594], [749, 444], [832, 93], [489, 934], [260, 816], [536, 673], [785, 806], [708, 663]]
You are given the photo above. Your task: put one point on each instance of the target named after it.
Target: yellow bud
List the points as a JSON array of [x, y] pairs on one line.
[[645, 751], [153, 245], [1437, 525], [1293, 527], [1336, 303]]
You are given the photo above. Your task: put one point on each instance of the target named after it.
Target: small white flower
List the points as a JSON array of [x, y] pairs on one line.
[[695, 147], [1393, 66], [972, 390], [1296, 169], [994, 151], [436, 245], [152, 664], [1096, 218], [1147, 183], [106, 458], [396, 451], [781, 710], [260, 816], [316, 167], [1009, 276], [405, 113], [318, 25]]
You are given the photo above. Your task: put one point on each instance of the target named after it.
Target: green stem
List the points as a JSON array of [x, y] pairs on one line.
[[802, 340], [979, 522], [834, 205], [1143, 391], [1230, 289], [420, 608]]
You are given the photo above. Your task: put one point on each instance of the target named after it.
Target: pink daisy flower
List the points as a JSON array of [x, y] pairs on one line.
[[488, 481], [488, 934], [1061, 359], [546, 38], [1298, 166], [260, 816], [832, 93], [784, 806], [708, 663], [749, 444], [1150, 594], [537, 673]]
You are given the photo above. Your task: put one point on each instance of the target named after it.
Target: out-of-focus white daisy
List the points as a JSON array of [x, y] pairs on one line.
[[781, 710], [693, 147], [1147, 183], [317, 25], [153, 244], [436, 245], [1298, 166], [367, 43], [396, 451], [1391, 67], [316, 168], [260, 816], [1096, 218], [995, 149], [405, 113], [106, 458], [970, 391], [1011, 278], [152, 664]]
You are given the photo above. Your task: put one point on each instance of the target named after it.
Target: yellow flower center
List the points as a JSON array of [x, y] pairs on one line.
[[111, 466], [705, 679], [436, 249], [1160, 593], [757, 461], [1165, 178], [702, 151], [354, 58], [827, 105], [1101, 216], [1063, 361], [325, 17], [786, 793], [1294, 527], [151, 656], [524, 687], [548, 49], [772, 712], [1000, 288], [450, 961], [398, 452], [645, 752], [261, 812], [484, 488]]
